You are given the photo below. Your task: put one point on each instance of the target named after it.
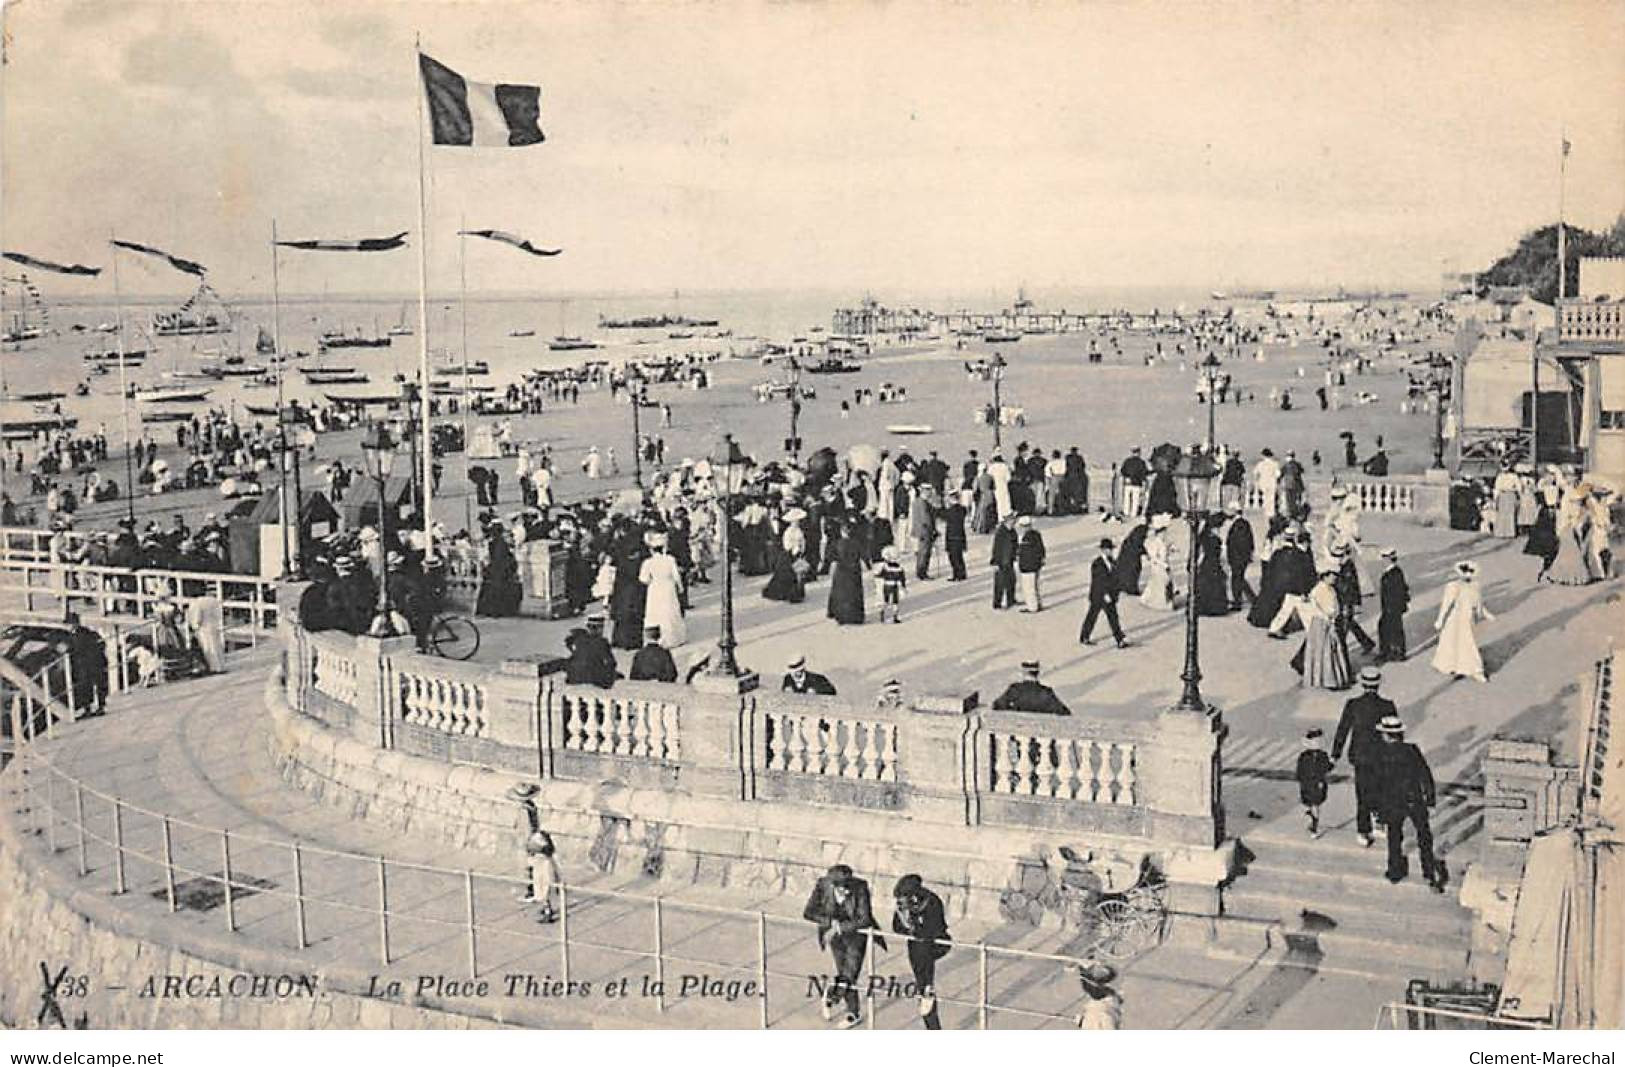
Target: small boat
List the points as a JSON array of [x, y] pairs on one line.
[[680, 335], [12, 429], [161, 394], [401, 329], [45, 396], [203, 374], [523, 332], [353, 377], [166, 416], [336, 368], [835, 365], [1001, 337], [442, 387], [111, 355], [910, 428], [565, 343], [363, 398], [338, 339], [243, 370], [474, 366]]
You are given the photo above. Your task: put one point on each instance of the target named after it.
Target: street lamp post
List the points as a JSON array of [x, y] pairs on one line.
[[724, 664], [1210, 371], [378, 454], [998, 364], [1195, 475], [793, 444], [634, 392]]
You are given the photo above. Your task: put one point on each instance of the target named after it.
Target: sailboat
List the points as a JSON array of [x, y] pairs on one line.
[[18, 327], [339, 339], [204, 312], [401, 329]]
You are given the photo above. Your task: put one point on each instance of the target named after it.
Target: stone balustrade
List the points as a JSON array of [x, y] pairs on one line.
[[940, 759]]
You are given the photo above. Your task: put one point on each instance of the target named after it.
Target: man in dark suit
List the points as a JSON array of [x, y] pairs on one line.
[[1003, 560], [934, 472], [1103, 592], [592, 661], [801, 680], [1031, 695], [970, 469], [953, 538], [1395, 595], [1357, 728], [1406, 791], [1348, 600], [921, 918], [840, 907], [652, 662], [1134, 473], [1238, 555]]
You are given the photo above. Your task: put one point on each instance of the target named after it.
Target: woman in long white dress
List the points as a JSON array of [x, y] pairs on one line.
[[1463, 605], [1158, 594], [1572, 565], [663, 604]]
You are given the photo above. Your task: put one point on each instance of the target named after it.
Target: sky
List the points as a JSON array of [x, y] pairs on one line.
[[839, 145]]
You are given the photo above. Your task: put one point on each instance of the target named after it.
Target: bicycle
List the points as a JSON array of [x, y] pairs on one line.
[[453, 636]]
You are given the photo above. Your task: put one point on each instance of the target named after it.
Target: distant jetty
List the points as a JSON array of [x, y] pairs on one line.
[[652, 322]]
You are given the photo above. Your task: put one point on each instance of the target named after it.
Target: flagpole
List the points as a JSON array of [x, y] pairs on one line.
[[281, 421], [462, 271], [123, 388], [423, 314]]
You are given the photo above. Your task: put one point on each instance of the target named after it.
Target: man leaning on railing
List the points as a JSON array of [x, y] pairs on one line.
[[840, 906]]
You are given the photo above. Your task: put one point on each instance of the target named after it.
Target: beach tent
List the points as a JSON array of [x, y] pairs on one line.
[[483, 444], [254, 530], [1496, 382], [1562, 960]]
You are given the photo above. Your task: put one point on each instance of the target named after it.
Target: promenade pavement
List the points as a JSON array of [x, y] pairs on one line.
[[196, 751]]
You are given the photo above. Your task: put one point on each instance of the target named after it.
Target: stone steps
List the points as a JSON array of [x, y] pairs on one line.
[[1340, 912]]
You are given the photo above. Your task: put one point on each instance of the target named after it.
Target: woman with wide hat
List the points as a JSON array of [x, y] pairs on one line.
[[1463, 605]]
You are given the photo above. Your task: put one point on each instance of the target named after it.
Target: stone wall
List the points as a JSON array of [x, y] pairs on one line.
[[50, 919], [668, 838]]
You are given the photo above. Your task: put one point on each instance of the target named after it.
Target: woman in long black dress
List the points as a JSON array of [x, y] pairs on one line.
[[846, 581], [1129, 558], [626, 599], [499, 586], [1542, 540], [1212, 591]]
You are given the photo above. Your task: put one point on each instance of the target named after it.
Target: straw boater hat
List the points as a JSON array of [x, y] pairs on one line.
[[889, 553], [796, 663], [1338, 492], [1467, 569], [1389, 553], [1024, 520], [1030, 666], [1370, 677], [1390, 724]]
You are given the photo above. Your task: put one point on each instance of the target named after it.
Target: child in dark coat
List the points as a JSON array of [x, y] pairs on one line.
[[1313, 768]]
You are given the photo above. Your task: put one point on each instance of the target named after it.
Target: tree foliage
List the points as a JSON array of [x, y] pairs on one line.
[[1533, 263]]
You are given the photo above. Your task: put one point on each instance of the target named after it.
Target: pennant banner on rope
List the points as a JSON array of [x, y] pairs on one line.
[[367, 244], [513, 239], [476, 115], [45, 264], [185, 266]]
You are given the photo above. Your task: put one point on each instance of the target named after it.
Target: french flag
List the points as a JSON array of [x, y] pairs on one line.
[[477, 115]]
